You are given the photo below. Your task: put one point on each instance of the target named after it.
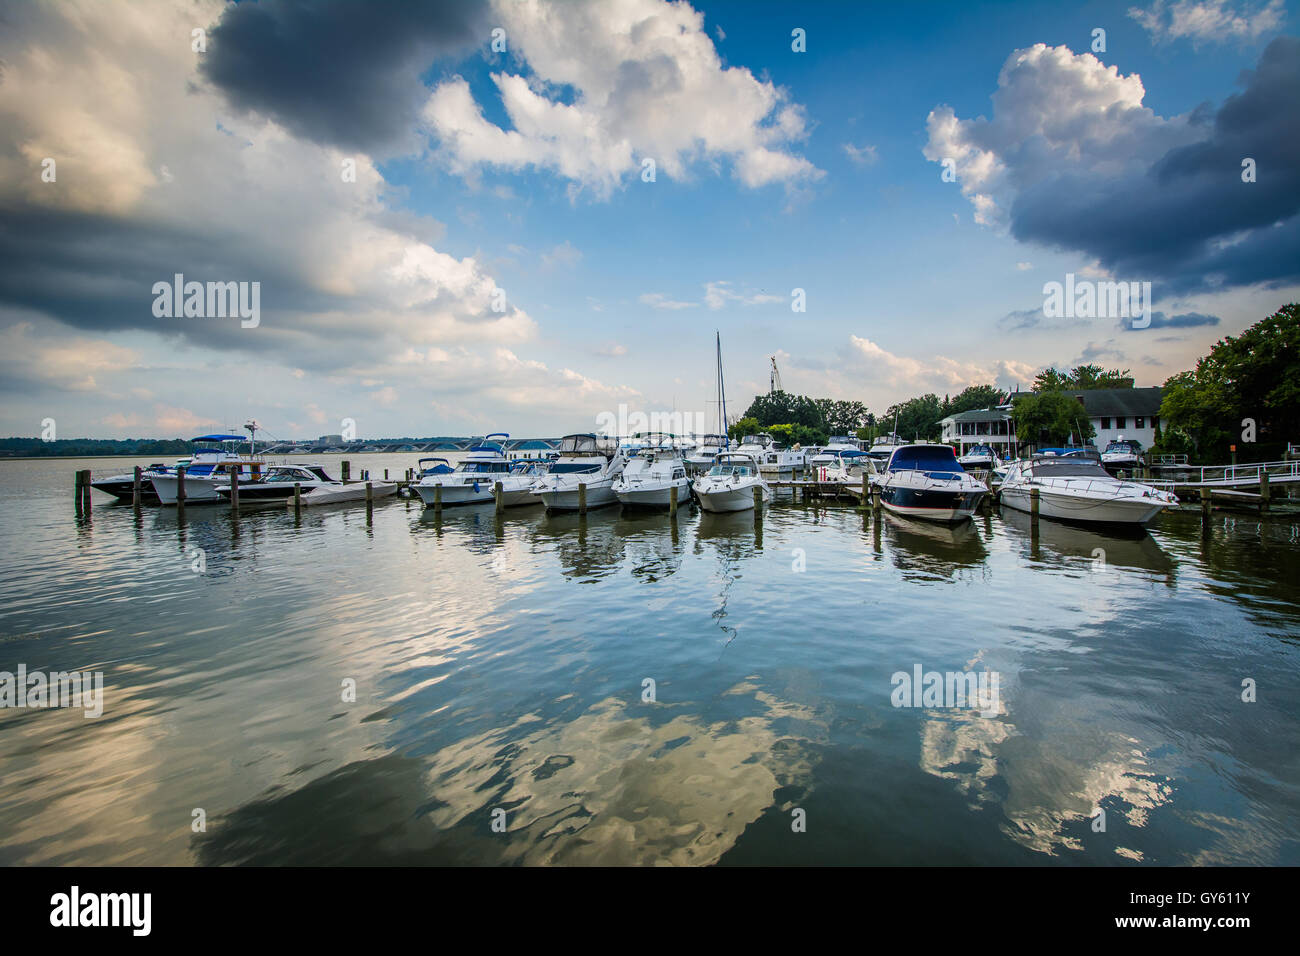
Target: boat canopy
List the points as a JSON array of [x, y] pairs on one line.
[[924, 458], [221, 438], [1071, 451], [578, 445], [1070, 466]]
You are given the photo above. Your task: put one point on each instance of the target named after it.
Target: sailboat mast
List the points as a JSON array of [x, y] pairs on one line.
[[722, 396]]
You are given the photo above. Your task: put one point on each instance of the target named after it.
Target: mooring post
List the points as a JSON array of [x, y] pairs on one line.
[[582, 497], [135, 489], [297, 499], [180, 486], [79, 477], [437, 498], [370, 501], [498, 496], [866, 489], [85, 492], [1205, 503], [875, 499], [1263, 489], [758, 500], [672, 500], [385, 474], [234, 489], [1033, 503], [347, 471]]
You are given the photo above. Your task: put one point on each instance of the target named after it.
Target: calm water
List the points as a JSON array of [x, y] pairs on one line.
[[499, 665]]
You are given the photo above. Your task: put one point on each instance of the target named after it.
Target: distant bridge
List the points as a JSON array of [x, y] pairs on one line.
[[416, 446]]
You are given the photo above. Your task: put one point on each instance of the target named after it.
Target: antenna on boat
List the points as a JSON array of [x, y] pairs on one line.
[[252, 427]]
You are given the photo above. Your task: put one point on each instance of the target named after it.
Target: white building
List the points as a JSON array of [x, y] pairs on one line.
[[1130, 413], [1121, 413]]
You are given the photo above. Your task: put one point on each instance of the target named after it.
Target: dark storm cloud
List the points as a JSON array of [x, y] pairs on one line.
[[1182, 221], [342, 72], [97, 274], [1187, 320]]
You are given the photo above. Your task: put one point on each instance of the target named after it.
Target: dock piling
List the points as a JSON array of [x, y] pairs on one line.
[[135, 488], [672, 500], [1205, 503], [370, 501], [1263, 490], [437, 499], [582, 497], [234, 489], [78, 478], [180, 486], [347, 471], [297, 499], [498, 496]]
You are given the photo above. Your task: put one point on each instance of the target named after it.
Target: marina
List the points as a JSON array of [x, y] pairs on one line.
[[770, 635]]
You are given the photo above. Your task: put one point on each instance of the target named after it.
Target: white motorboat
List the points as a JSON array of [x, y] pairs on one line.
[[701, 459], [215, 458], [473, 480], [583, 460], [883, 448], [1078, 488], [517, 486], [845, 466], [978, 457], [317, 487], [730, 483], [1122, 453], [655, 476], [925, 481]]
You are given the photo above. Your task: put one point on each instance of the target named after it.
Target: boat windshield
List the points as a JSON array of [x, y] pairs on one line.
[[979, 450], [292, 475], [578, 445], [1123, 447], [574, 468], [722, 471], [482, 467], [925, 458], [1068, 468]]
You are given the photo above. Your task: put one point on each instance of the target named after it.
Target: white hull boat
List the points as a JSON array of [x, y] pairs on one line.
[[730, 484], [314, 485], [655, 478], [1080, 490], [473, 481], [582, 461]]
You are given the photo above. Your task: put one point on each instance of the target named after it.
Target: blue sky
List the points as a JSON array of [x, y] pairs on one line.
[[814, 175]]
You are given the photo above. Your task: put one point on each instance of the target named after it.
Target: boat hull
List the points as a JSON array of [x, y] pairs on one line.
[[565, 498], [1080, 509], [199, 489], [122, 487], [725, 500], [457, 493], [938, 505], [656, 496]]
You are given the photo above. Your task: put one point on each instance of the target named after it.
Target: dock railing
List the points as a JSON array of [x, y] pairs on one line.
[[1229, 475]]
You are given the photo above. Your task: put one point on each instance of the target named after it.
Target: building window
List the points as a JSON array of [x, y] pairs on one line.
[[1138, 423], [1105, 423]]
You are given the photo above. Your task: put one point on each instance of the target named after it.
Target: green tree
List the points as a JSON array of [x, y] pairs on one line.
[[1254, 376], [918, 418], [745, 426], [1051, 418]]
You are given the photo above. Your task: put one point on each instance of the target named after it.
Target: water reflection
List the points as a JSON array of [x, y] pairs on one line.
[[926, 551], [619, 784], [1063, 545]]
